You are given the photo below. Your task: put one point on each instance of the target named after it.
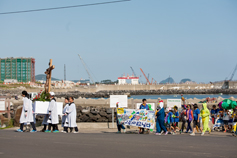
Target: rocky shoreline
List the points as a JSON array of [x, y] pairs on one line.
[[106, 94]]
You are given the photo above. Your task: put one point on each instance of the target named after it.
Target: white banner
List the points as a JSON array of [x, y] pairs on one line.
[[42, 107], [122, 99], [172, 102]]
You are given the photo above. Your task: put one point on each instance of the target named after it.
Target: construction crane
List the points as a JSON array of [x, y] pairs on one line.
[[226, 82], [145, 76], [233, 73], [152, 81], [133, 71], [89, 75]]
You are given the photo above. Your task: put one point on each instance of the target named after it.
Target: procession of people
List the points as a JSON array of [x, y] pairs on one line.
[[167, 119], [51, 119]]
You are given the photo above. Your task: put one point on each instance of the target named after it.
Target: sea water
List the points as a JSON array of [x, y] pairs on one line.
[[178, 96]]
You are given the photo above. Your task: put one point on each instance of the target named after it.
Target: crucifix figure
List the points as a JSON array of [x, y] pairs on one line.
[[47, 85]]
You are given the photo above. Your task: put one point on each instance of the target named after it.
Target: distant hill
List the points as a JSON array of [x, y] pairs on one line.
[[43, 77], [168, 80], [185, 80]]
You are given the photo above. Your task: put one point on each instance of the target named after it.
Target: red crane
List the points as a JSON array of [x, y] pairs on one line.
[[145, 76]]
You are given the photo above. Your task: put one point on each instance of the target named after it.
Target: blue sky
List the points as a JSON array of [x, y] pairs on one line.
[[180, 38]]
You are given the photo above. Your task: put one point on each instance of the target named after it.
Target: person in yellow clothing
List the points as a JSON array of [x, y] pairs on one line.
[[205, 113]]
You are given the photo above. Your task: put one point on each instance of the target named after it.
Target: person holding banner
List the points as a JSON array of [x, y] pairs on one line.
[[145, 107], [26, 113], [119, 124], [160, 114], [53, 114]]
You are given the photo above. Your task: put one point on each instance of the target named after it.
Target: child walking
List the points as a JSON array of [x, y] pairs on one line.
[[72, 116], [64, 117], [167, 121], [226, 118], [176, 120]]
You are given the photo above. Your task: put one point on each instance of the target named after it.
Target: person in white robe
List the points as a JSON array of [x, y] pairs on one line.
[[53, 114], [26, 113], [71, 113], [64, 117]]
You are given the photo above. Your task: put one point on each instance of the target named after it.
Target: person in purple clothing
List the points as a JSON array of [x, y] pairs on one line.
[[146, 107]]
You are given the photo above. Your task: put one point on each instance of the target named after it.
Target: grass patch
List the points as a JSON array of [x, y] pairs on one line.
[[8, 86], [9, 124]]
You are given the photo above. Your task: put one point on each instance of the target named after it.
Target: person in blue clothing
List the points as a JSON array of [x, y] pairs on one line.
[[196, 119], [145, 107], [160, 114], [170, 116], [176, 120]]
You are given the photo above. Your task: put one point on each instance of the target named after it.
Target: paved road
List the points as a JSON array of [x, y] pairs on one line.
[[112, 145]]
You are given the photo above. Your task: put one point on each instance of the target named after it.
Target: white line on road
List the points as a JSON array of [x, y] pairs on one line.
[[75, 144]]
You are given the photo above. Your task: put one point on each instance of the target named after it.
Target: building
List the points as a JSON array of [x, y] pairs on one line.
[[123, 80], [21, 69]]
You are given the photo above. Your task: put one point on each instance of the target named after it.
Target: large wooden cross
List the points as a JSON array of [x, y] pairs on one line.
[[48, 73]]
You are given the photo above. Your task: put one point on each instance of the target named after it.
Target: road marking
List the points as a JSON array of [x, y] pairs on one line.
[[4, 138], [186, 152], [75, 144]]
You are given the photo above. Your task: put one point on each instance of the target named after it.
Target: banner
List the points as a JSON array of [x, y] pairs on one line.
[[138, 118]]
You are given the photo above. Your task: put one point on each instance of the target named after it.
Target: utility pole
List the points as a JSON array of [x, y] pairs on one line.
[[64, 72]]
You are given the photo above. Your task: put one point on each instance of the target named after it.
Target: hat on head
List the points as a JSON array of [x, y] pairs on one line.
[[184, 106], [52, 93]]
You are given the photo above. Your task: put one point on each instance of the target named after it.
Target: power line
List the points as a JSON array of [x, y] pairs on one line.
[[66, 7]]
